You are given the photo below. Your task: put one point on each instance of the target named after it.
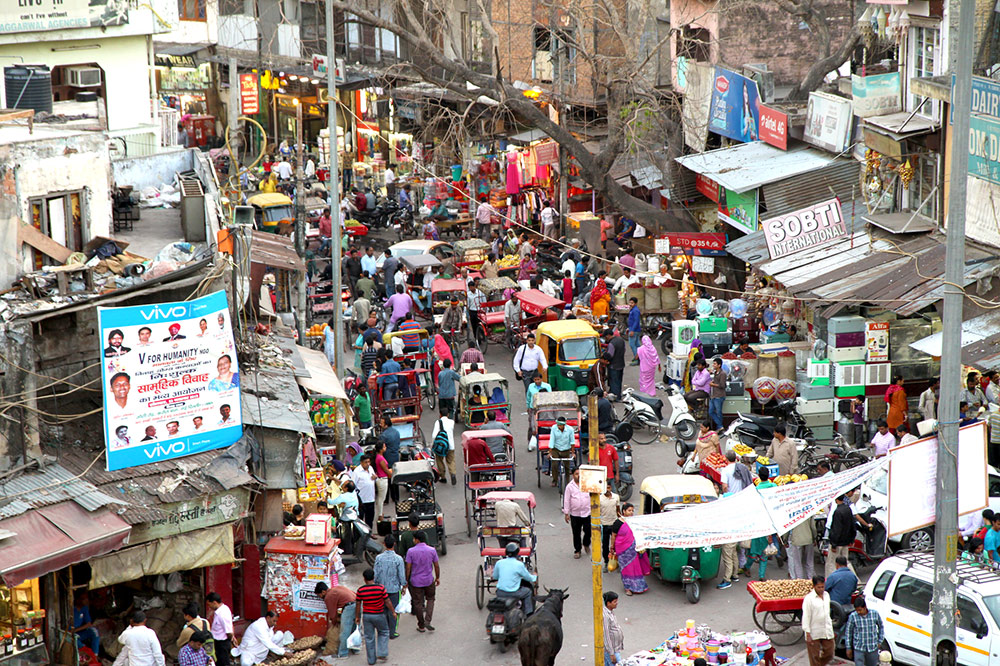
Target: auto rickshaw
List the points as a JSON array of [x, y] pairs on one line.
[[571, 348], [479, 393], [415, 481], [271, 211], [688, 566]]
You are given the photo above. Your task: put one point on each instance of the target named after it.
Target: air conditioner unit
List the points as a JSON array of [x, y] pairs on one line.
[[878, 374], [849, 374], [685, 331], [83, 77]]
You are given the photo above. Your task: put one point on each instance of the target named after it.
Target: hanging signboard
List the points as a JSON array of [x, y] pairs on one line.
[[703, 264], [828, 122], [42, 15], [697, 244], [804, 228], [319, 68], [190, 515], [774, 127], [875, 95], [734, 112], [877, 341], [171, 380], [707, 186], [249, 95], [547, 153], [738, 209], [984, 148]]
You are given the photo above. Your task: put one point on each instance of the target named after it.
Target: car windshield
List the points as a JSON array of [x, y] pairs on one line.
[[276, 213], [880, 482], [993, 605], [578, 349]]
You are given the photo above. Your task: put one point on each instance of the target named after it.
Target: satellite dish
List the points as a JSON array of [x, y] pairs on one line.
[[703, 307], [720, 308], [819, 350]]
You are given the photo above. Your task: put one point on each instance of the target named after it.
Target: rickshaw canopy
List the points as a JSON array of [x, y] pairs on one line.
[[416, 261], [679, 489], [422, 332], [481, 378], [566, 328], [268, 199], [444, 285], [406, 471], [556, 400], [469, 435], [492, 285], [515, 495], [535, 302]]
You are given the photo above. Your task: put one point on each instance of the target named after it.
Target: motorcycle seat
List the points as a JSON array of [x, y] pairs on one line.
[[763, 421], [502, 604], [837, 451], [656, 404]]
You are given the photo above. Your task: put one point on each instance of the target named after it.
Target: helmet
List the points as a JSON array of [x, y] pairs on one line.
[[512, 549]]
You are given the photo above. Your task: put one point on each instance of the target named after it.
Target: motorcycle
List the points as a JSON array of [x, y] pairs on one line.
[[643, 416], [679, 421], [503, 621], [402, 222], [840, 456], [757, 431], [357, 539], [660, 330]]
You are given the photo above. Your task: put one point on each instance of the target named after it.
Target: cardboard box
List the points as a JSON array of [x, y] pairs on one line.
[[317, 529]]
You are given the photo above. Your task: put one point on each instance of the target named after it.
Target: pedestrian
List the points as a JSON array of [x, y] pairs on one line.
[[193, 623], [717, 393], [992, 541], [759, 545], [858, 420], [447, 388], [816, 623], [474, 300], [222, 629], [903, 436], [390, 265], [649, 366], [633, 565], [340, 617], [423, 575], [863, 634], [406, 540], [374, 607], [842, 531], [735, 476], [364, 477], [607, 455], [352, 270], [895, 397], [928, 401], [611, 507], [511, 574], [363, 408], [383, 472], [142, 642], [842, 583], [883, 439], [549, 215], [615, 355], [729, 567], [443, 447], [576, 510], [529, 359], [634, 324], [707, 442], [801, 550], [614, 637], [782, 451], [390, 573], [484, 218], [193, 652]]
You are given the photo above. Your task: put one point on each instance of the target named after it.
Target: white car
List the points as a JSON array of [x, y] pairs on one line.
[[900, 589], [875, 492]]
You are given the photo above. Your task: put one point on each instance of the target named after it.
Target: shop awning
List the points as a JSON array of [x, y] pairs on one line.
[[54, 537], [747, 166], [901, 223], [979, 341], [322, 380], [902, 124], [194, 550]]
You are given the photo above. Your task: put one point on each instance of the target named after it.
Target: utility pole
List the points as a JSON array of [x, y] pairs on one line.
[[300, 225], [946, 499], [233, 123], [333, 185], [595, 536], [563, 176]]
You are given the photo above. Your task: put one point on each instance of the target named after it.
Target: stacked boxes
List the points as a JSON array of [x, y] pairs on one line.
[[819, 414], [845, 340]]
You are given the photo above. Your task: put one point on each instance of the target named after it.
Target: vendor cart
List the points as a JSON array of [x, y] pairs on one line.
[[781, 619], [471, 253]]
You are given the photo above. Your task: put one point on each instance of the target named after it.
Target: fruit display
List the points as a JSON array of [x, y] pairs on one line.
[[782, 589], [293, 659], [509, 261], [716, 460], [743, 450], [763, 460], [306, 642], [316, 330], [788, 478]]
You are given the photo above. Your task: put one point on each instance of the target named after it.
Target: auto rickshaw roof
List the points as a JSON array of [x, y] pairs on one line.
[[415, 261], [556, 400], [502, 283], [411, 470], [269, 199], [670, 486], [567, 328], [535, 302], [469, 435], [516, 495], [422, 332], [416, 244], [482, 378], [469, 244], [440, 285]]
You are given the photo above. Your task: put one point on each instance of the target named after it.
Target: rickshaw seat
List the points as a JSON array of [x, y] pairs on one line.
[[405, 418], [501, 552], [543, 442], [491, 318], [491, 485]]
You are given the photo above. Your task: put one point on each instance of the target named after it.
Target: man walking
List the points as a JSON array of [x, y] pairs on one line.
[[842, 583], [423, 573], [576, 510], [614, 637], [529, 360], [634, 328], [340, 617], [474, 299], [800, 550], [389, 267], [616, 364], [364, 481], [142, 643], [863, 634], [817, 625], [222, 629], [390, 573], [717, 394], [447, 388], [782, 451], [484, 218], [842, 533], [374, 607], [611, 509], [443, 447]]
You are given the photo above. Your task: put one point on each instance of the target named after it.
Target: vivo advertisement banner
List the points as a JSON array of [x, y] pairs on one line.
[[171, 380], [734, 111]]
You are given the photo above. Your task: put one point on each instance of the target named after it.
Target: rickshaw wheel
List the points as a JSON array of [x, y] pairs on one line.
[[468, 517], [444, 544], [693, 592], [480, 587], [431, 397]]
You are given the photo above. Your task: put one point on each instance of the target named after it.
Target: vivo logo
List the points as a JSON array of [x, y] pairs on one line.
[[161, 450], [173, 312]]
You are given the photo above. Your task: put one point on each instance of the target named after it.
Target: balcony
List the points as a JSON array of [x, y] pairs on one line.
[[238, 31]]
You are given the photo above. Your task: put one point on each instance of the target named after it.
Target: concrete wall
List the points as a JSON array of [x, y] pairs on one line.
[[151, 170], [195, 32]]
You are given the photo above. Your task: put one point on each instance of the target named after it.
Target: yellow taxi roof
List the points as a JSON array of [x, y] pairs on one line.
[[269, 199], [675, 485], [566, 328]]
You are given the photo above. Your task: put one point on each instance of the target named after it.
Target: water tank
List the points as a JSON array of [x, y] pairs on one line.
[[28, 87]]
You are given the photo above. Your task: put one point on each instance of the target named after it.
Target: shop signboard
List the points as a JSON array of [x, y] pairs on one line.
[[171, 380], [913, 479], [803, 229], [319, 68], [249, 95], [707, 186], [877, 341], [828, 122], [875, 95], [43, 15], [697, 244], [188, 516], [703, 264], [738, 209], [734, 113], [547, 153], [984, 148], [774, 127]]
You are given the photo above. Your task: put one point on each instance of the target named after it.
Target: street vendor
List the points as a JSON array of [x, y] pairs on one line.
[[512, 313], [259, 639], [489, 267]]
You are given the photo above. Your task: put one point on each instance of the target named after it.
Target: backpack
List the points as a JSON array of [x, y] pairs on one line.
[[441, 444]]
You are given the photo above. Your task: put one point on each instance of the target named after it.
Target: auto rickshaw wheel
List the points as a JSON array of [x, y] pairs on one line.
[[480, 587], [444, 543], [693, 592]]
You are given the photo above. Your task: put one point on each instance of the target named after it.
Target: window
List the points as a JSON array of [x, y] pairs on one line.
[[882, 586], [541, 64], [60, 217], [695, 44], [578, 349], [913, 594], [923, 60], [192, 10], [922, 195], [970, 618]]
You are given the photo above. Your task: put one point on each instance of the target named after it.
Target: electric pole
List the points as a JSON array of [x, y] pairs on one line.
[[300, 226], [597, 580], [333, 185], [946, 499]]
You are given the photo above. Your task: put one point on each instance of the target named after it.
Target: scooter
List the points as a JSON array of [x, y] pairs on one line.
[[679, 421], [661, 330], [355, 534], [504, 618], [643, 416], [757, 431]]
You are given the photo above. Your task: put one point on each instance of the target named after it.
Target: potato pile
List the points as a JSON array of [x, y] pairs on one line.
[[305, 643], [294, 659], [782, 589]]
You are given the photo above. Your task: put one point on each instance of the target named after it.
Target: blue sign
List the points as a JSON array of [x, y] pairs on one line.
[[734, 111], [171, 380], [985, 98], [984, 148]]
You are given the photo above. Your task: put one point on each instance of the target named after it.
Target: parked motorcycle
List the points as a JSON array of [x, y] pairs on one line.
[[401, 220], [660, 330], [840, 456], [356, 538], [679, 421], [757, 431], [643, 414]]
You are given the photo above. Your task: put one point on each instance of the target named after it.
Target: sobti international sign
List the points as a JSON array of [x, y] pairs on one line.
[[171, 380], [804, 228]]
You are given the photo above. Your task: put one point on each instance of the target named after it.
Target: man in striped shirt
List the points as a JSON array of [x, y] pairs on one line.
[[374, 608], [411, 341]]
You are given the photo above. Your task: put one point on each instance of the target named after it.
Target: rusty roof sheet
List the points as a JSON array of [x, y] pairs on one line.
[[34, 489], [275, 251]]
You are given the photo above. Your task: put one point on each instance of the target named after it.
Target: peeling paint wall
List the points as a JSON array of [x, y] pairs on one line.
[[152, 170]]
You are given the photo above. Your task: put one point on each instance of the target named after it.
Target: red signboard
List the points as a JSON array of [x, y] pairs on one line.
[[773, 127], [249, 98], [547, 153], [707, 186], [699, 244]]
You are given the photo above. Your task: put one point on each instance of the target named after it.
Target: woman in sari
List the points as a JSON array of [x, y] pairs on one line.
[[693, 355], [633, 565], [649, 365], [895, 396], [441, 351], [600, 297]]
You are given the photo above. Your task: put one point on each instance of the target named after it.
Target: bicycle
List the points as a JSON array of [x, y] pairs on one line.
[[562, 468]]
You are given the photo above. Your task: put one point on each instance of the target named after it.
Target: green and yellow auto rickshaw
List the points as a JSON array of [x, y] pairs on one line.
[[571, 348], [687, 566]]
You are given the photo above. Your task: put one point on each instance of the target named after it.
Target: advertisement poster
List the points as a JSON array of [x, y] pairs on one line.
[[773, 127], [707, 186], [828, 122], [40, 15], [734, 112], [804, 229], [877, 341], [304, 597], [875, 95], [738, 210], [698, 244], [171, 380]]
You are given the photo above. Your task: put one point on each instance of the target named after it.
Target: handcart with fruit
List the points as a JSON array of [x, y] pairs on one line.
[[777, 609], [714, 466]]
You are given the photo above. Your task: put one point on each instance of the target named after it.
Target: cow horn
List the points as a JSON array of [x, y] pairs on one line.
[[546, 589]]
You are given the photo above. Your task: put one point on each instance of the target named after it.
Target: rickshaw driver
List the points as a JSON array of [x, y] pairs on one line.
[[512, 313], [510, 514], [509, 573], [451, 318]]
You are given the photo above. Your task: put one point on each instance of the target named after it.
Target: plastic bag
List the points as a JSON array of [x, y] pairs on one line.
[[771, 550], [532, 444], [612, 562], [354, 641], [405, 605]]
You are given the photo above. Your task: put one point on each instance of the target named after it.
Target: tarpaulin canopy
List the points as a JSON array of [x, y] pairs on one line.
[[194, 550], [323, 379], [54, 537], [748, 514]]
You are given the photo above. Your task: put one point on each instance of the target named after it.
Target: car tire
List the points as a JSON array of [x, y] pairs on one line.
[[918, 540]]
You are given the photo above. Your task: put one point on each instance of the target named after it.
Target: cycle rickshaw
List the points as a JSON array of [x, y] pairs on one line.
[[487, 477], [549, 406], [488, 528], [479, 393]]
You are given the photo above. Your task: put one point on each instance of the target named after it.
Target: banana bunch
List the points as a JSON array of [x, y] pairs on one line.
[[782, 589], [508, 261], [789, 478]]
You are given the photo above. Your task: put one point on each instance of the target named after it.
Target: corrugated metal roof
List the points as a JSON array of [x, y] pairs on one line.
[[274, 251], [974, 330], [838, 179], [272, 400], [750, 165], [54, 484]]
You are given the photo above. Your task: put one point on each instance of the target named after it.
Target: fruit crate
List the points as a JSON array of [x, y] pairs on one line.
[[772, 605], [714, 473]]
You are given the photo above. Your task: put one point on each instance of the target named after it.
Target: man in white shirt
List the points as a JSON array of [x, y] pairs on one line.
[[364, 481], [816, 623], [512, 313], [259, 639], [142, 644], [628, 278], [310, 169], [222, 629], [527, 359], [474, 300], [284, 170], [548, 216], [928, 401], [548, 287], [484, 218]]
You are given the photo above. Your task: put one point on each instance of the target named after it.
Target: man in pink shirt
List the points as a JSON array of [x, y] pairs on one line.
[[400, 304], [576, 509]]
